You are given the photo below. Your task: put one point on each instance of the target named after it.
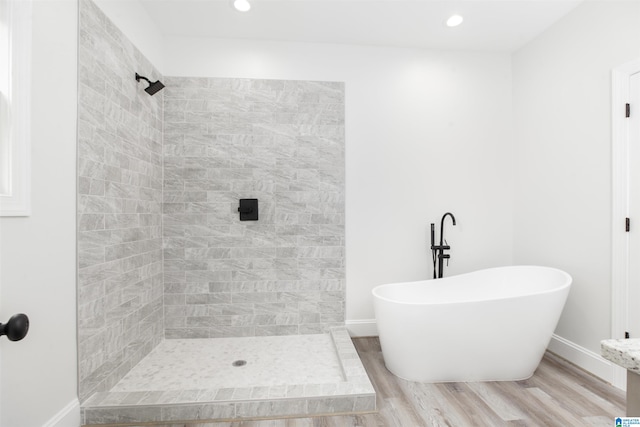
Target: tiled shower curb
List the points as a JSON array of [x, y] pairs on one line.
[[353, 395]]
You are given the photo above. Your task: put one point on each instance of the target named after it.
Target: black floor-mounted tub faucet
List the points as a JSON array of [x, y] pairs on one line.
[[437, 252]]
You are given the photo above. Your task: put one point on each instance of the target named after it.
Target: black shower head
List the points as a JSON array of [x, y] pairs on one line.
[[153, 86]]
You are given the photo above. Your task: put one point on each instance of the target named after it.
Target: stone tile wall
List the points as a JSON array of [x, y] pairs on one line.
[[281, 142], [119, 205]]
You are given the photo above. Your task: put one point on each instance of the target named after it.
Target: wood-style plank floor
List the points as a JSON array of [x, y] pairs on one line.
[[558, 394]]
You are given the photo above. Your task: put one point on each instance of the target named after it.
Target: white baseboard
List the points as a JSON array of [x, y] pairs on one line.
[[586, 359], [362, 328], [69, 416]]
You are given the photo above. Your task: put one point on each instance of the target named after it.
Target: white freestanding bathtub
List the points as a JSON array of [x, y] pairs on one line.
[[489, 325]]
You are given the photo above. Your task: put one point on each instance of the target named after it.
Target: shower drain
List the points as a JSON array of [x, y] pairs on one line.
[[239, 363]]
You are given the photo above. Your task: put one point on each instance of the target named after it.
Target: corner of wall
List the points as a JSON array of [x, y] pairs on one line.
[[134, 21]]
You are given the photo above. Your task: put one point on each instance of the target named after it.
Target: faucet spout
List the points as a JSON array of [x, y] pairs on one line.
[[453, 219]]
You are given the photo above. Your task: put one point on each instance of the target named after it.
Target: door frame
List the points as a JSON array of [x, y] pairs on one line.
[[620, 207]]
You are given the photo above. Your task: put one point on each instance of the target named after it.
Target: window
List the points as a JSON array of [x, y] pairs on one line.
[[15, 62]]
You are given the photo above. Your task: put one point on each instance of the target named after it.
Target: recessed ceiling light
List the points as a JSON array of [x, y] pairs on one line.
[[241, 5], [454, 21]]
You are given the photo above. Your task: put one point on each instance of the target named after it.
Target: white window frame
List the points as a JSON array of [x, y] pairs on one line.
[[15, 142]]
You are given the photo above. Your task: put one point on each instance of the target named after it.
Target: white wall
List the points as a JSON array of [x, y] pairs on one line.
[[426, 132], [562, 111], [37, 253]]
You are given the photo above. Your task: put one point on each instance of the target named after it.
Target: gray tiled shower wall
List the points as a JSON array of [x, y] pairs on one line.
[[161, 251], [281, 142], [119, 205]]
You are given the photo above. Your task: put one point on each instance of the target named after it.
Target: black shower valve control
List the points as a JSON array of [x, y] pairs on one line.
[[248, 209]]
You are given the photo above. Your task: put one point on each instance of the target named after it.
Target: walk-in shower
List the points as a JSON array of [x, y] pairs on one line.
[[165, 263]]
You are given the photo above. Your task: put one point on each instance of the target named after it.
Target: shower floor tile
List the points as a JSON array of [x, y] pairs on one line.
[[194, 380], [187, 364]]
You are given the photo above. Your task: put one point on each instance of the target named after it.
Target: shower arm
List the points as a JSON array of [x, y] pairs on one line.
[[139, 77]]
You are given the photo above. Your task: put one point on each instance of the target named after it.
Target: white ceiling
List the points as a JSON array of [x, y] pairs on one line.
[[490, 25]]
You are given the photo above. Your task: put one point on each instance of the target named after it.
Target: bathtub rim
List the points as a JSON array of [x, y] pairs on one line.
[[566, 284]]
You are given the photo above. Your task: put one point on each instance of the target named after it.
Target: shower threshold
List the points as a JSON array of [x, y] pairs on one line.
[[226, 379]]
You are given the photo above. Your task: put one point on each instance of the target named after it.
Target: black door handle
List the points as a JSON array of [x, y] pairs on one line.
[[16, 328]]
